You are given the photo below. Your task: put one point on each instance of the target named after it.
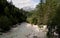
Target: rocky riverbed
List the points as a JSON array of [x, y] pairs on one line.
[[26, 30]]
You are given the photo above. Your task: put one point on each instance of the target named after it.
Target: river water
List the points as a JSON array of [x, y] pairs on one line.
[[25, 30]]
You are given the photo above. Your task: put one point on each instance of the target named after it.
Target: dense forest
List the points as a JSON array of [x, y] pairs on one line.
[[47, 13], [10, 15]]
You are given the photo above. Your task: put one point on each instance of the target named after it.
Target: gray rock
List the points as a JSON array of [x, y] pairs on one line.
[[35, 37]]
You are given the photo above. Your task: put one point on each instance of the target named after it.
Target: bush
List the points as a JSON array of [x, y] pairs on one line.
[[5, 23], [32, 20]]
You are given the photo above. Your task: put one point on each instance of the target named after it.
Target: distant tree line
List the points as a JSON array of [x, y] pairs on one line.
[[10, 15]]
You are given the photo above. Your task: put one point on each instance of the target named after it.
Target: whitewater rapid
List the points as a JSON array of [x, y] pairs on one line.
[[25, 30]]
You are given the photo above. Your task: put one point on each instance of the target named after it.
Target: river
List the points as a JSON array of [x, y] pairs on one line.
[[25, 30]]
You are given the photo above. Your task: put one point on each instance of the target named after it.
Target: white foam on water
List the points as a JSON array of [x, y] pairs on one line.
[[25, 30]]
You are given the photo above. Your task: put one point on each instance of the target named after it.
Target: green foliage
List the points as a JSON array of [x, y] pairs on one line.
[[5, 23], [55, 22], [32, 20], [47, 13], [10, 15]]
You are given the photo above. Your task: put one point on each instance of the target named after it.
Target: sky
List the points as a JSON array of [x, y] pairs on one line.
[[25, 3]]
